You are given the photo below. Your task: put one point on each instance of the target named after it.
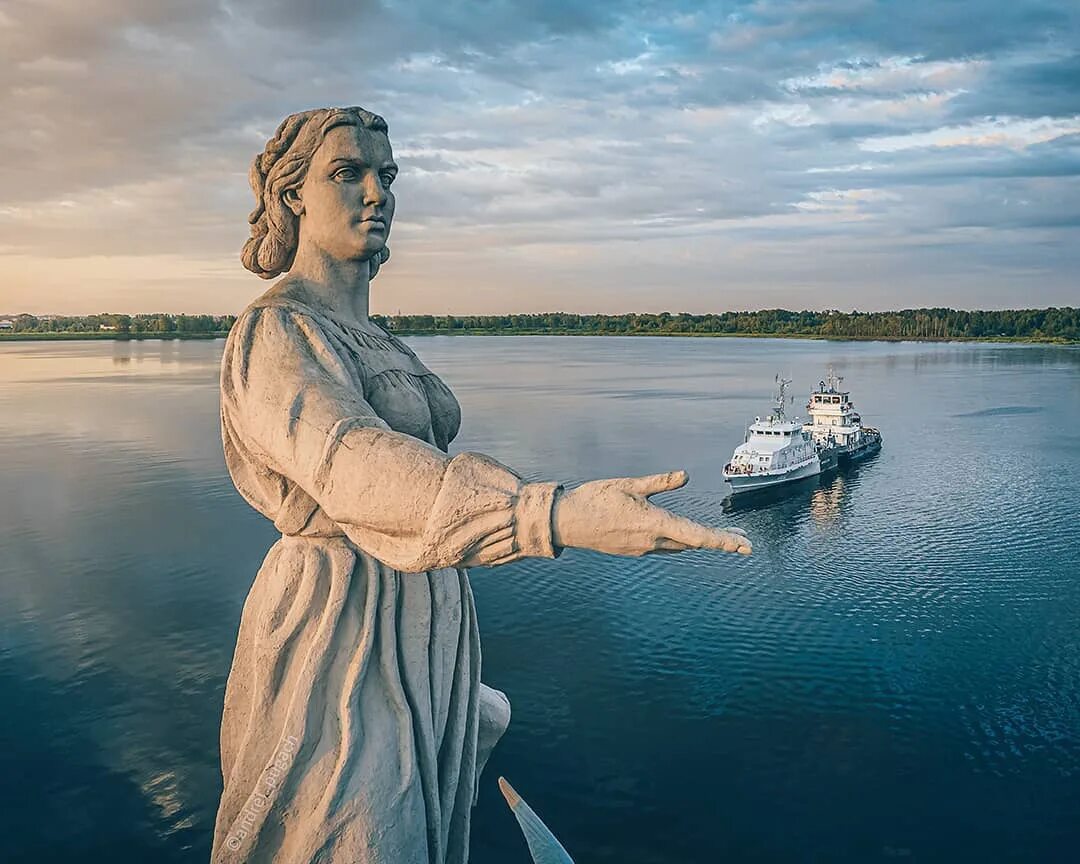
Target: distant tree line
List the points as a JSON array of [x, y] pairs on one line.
[[941, 323], [153, 323], [1049, 325]]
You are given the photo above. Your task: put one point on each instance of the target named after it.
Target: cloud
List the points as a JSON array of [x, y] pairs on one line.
[[844, 169], [838, 111], [554, 153], [891, 74], [850, 202], [1012, 132]]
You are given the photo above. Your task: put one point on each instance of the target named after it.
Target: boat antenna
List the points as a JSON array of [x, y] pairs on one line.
[[782, 383]]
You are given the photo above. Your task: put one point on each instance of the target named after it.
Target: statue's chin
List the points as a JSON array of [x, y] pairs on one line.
[[371, 250], [358, 251], [364, 255]]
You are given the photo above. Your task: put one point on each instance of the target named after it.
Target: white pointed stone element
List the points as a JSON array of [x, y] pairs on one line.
[[543, 846]]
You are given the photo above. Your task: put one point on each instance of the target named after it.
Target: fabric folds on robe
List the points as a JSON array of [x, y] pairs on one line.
[[355, 723]]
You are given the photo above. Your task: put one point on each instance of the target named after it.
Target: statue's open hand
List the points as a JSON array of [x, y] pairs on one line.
[[615, 516]]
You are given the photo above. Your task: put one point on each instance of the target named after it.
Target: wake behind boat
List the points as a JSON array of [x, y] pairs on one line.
[[776, 450]]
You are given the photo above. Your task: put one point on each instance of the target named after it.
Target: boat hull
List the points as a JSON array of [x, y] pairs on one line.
[[830, 459], [867, 448], [751, 482]]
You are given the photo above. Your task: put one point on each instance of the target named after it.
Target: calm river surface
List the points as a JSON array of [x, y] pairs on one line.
[[894, 674]]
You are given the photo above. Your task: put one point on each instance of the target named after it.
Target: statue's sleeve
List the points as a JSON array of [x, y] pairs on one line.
[[301, 413]]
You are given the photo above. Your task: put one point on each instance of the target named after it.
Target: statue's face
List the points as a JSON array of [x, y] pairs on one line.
[[345, 200]]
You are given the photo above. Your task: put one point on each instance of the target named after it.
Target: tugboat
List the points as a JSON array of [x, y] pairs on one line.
[[776, 450], [835, 425]]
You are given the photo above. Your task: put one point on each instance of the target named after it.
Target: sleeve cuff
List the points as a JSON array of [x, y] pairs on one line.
[[532, 520]]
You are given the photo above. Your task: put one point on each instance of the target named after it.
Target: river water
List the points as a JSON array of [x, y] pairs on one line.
[[894, 674]]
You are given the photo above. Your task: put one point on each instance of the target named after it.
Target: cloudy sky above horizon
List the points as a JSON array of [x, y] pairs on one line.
[[556, 154]]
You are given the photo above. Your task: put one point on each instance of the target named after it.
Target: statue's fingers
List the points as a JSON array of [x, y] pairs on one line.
[[735, 542], [681, 530], [727, 541], [666, 544], [651, 484], [697, 536]]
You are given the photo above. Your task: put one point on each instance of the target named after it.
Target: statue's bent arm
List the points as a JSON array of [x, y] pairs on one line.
[[398, 498]]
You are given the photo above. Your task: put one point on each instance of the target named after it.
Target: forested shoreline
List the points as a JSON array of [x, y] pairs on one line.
[[938, 324], [114, 326]]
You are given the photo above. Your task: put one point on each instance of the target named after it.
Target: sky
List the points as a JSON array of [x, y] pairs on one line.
[[557, 155]]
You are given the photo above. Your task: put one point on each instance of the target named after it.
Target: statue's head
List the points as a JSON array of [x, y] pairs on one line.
[[326, 175]]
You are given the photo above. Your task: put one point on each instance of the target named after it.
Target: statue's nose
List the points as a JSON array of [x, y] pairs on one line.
[[374, 191]]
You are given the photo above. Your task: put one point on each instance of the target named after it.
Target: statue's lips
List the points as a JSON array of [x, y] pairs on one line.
[[373, 223]]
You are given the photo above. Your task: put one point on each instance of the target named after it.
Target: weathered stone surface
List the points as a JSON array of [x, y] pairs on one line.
[[355, 723]]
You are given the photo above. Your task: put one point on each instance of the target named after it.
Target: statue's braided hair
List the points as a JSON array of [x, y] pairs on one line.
[[283, 165]]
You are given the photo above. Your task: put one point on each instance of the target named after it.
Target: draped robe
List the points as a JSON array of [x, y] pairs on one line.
[[355, 724]]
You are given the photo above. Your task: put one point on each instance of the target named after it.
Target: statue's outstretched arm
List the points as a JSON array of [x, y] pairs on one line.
[[404, 501]]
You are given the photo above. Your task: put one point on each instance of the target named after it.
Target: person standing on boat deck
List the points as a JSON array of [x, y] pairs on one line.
[[355, 723]]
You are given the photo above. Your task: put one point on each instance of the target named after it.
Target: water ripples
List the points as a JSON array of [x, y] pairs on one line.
[[894, 672]]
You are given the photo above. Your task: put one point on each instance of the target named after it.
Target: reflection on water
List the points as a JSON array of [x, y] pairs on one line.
[[893, 673], [826, 500]]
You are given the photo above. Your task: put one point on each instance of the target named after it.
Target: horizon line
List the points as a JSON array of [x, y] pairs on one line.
[[564, 312]]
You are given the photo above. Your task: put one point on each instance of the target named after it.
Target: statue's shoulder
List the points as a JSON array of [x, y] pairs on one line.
[[287, 296], [285, 301], [278, 315]]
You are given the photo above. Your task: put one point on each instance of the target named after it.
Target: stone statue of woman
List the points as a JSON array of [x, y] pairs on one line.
[[355, 724]]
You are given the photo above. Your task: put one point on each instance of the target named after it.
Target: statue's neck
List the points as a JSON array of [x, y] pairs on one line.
[[341, 286]]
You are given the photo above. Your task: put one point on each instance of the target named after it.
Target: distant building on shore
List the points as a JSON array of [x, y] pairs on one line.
[[7, 324]]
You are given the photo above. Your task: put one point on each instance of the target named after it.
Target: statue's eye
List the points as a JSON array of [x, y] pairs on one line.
[[346, 175], [387, 179]]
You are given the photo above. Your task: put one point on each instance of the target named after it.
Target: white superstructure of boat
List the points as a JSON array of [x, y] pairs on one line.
[[835, 423], [776, 450]]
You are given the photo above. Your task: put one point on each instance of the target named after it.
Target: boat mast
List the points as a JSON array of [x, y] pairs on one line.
[[782, 383]]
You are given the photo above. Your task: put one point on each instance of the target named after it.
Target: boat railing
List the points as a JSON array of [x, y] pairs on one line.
[[731, 469]]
